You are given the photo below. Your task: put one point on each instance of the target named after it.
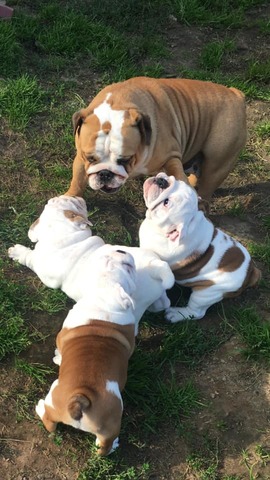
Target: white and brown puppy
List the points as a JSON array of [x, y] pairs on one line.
[[63, 241], [145, 125], [93, 349], [65, 256], [202, 257]]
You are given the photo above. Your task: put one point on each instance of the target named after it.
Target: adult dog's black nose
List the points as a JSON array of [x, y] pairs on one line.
[[105, 176], [161, 182]]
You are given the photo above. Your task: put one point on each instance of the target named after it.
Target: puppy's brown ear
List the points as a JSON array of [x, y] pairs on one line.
[[77, 405], [143, 122]]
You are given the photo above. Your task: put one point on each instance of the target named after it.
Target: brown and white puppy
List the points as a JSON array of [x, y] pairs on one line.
[[93, 349], [202, 257], [145, 125]]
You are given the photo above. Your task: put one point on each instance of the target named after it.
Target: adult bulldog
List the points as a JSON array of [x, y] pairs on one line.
[[145, 125], [202, 257]]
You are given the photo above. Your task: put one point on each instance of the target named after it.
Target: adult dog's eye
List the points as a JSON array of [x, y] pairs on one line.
[[91, 158], [166, 201], [123, 161]]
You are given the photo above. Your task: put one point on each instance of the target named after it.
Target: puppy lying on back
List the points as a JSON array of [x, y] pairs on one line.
[[93, 349], [63, 253], [202, 257]]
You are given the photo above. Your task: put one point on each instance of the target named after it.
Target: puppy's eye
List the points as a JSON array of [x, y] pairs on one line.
[[166, 201]]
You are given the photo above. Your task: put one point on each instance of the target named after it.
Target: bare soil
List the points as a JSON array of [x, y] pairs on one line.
[[235, 392]]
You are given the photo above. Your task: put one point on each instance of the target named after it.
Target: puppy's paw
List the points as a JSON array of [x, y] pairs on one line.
[[175, 314], [115, 445], [57, 359], [18, 252]]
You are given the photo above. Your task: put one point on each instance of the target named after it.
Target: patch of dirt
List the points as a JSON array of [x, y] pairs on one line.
[[235, 415]]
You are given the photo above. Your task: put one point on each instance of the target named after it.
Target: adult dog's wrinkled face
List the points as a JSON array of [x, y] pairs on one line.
[[171, 204], [112, 144], [61, 216]]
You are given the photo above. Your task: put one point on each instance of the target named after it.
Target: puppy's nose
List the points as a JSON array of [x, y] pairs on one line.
[[105, 175], [121, 251], [161, 182]]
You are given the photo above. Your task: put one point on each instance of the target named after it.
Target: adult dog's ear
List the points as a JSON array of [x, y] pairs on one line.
[[78, 119], [143, 123]]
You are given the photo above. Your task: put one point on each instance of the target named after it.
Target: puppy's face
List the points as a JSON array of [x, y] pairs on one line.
[[171, 204], [61, 216], [111, 144]]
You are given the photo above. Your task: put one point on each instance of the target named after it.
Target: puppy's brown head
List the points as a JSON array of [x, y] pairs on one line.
[[112, 143]]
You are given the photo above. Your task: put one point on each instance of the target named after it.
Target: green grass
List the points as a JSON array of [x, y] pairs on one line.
[[263, 129], [261, 251], [216, 13], [254, 332], [20, 100], [36, 371], [213, 54], [55, 56], [113, 468], [14, 334]]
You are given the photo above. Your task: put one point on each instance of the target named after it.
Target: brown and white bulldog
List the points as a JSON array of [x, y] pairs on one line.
[[93, 349], [202, 257], [145, 125]]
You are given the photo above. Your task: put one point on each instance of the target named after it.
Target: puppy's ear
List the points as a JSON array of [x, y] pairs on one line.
[[33, 231], [123, 298], [143, 123], [77, 405], [78, 119]]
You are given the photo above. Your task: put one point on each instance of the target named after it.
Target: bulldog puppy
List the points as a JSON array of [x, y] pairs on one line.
[[202, 257], [93, 349], [144, 125], [154, 277], [63, 240], [66, 256]]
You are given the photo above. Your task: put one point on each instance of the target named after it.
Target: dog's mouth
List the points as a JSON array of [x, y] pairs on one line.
[[173, 234], [107, 189]]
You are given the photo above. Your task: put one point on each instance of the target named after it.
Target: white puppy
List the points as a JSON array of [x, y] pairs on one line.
[[202, 257], [64, 254], [93, 349]]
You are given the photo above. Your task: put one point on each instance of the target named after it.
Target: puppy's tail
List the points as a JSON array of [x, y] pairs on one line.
[[77, 405]]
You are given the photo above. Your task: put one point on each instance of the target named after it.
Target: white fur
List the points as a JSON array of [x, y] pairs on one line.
[[113, 387], [115, 445], [70, 258], [40, 407], [175, 229], [108, 147]]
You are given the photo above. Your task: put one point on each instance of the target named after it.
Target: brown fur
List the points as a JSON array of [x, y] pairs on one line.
[[176, 119]]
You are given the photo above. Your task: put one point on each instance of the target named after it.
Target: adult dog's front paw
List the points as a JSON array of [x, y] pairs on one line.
[[17, 252], [175, 314], [40, 408]]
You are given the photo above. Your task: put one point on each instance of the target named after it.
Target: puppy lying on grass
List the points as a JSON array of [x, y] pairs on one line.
[[64, 250], [202, 257], [93, 349]]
